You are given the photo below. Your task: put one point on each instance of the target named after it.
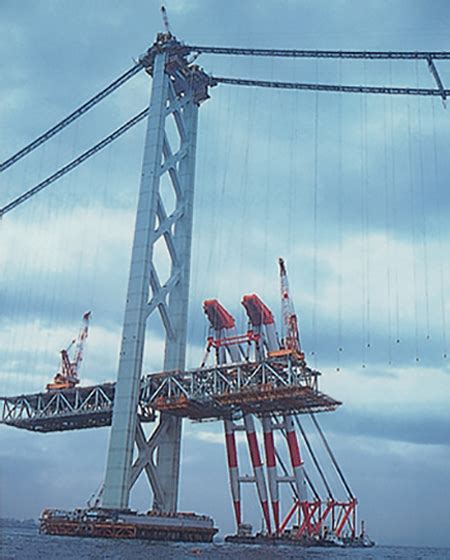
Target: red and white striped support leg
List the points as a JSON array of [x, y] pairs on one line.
[[257, 468], [296, 462], [269, 448], [233, 469]]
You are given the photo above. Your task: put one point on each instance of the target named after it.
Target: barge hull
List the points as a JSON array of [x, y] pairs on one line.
[[155, 528]]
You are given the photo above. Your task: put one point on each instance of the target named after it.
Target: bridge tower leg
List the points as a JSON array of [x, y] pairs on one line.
[[177, 90]]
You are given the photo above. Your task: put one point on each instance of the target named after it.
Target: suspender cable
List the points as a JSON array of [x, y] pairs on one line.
[[74, 163], [72, 117], [413, 214], [439, 222], [329, 87], [422, 209], [363, 244], [332, 457], [340, 222], [388, 229], [294, 53], [315, 224], [394, 214]]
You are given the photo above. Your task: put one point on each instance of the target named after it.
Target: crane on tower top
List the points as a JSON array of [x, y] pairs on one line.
[[165, 18], [68, 373]]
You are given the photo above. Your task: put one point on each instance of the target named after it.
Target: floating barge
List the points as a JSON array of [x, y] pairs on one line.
[[128, 524], [324, 538], [329, 540]]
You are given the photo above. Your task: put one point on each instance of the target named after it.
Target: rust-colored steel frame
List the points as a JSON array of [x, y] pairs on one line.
[[272, 385], [312, 516]]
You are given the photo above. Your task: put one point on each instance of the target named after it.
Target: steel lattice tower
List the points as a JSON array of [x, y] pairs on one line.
[[177, 90]]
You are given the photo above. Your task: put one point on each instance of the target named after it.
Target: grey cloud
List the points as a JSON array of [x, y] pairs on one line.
[[418, 427], [60, 53]]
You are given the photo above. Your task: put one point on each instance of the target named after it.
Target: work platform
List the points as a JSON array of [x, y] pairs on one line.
[[275, 385]]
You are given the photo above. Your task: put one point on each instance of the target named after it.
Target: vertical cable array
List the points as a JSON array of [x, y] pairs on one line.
[[244, 174], [388, 229], [394, 214], [363, 242], [413, 221], [340, 222], [366, 218], [218, 217], [269, 157], [438, 224], [315, 217], [423, 212], [292, 190], [368, 248]]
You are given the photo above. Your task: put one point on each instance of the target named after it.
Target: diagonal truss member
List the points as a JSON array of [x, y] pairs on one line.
[[177, 90]]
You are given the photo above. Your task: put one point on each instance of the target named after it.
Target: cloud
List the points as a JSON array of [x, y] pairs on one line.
[[181, 7], [350, 217]]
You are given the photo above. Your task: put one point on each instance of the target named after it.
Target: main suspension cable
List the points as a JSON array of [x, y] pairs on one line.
[[72, 117], [295, 53], [74, 163], [330, 87]]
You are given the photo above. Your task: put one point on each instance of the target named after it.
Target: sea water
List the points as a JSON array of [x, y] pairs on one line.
[[27, 544]]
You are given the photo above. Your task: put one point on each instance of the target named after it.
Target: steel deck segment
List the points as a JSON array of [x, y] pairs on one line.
[[299, 401], [63, 410], [276, 385]]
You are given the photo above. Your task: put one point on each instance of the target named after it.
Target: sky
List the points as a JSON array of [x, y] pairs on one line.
[[350, 189]]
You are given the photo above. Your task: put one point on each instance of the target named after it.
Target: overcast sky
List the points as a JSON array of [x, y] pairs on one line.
[[352, 190]]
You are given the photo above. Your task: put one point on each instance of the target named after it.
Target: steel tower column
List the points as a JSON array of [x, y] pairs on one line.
[[177, 90], [168, 457]]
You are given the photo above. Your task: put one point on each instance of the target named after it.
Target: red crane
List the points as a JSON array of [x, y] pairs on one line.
[[291, 341], [67, 376]]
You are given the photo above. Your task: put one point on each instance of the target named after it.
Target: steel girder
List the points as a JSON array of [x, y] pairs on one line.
[[72, 409], [220, 391]]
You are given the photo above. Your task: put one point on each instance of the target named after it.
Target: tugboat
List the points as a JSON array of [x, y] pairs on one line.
[[330, 539], [361, 541]]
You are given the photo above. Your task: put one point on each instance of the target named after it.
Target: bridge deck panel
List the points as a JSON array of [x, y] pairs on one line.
[[271, 386]]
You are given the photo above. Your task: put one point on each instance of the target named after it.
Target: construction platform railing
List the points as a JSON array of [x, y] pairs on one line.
[[224, 391]]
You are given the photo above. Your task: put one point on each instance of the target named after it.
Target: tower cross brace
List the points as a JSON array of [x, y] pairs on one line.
[[178, 88]]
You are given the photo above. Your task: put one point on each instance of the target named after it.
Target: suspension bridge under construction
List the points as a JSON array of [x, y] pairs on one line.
[[257, 382]]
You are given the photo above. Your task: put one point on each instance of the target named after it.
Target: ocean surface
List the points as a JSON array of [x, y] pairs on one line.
[[26, 544]]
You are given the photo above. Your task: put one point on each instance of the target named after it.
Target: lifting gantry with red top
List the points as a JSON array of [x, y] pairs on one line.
[[310, 518]]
